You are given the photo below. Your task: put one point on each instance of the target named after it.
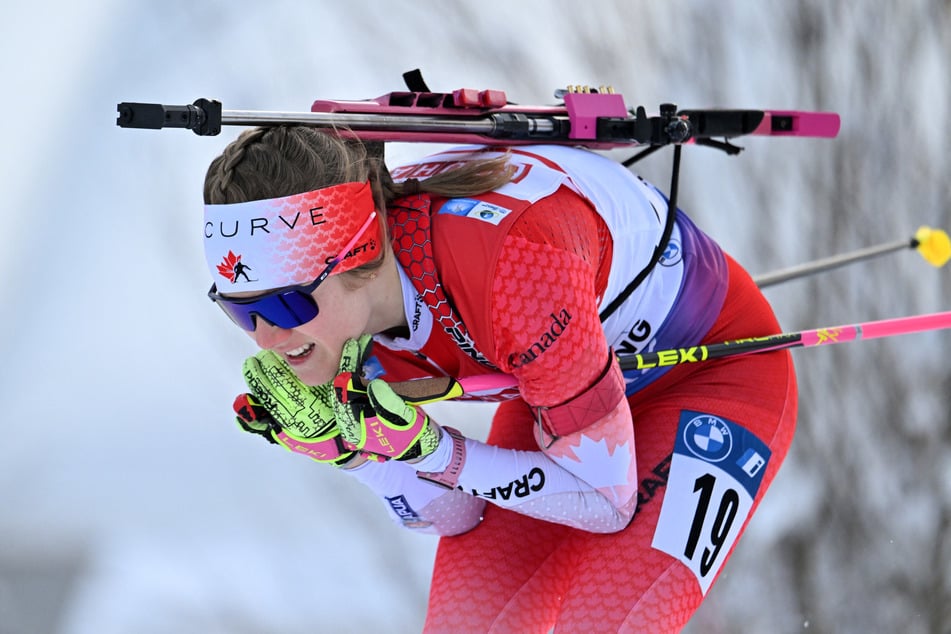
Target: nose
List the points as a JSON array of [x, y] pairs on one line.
[[269, 336]]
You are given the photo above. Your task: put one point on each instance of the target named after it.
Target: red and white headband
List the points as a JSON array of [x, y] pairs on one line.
[[266, 244]]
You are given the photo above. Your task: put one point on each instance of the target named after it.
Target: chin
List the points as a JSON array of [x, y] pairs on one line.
[[314, 376], [319, 379]]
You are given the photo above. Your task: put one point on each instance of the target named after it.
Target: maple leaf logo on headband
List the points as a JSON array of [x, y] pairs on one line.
[[231, 267]]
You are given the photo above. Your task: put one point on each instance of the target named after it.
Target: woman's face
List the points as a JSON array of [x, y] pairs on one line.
[[313, 349]]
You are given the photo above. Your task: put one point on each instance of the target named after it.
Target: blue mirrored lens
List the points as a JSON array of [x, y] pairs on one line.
[[284, 310]]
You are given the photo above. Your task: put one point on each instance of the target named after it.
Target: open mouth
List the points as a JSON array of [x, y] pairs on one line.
[[299, 353]]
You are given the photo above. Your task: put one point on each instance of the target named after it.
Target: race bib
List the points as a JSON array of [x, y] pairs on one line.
[[715, 472]]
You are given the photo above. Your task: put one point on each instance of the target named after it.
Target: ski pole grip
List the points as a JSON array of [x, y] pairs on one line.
[[428, 390], [203, 116]]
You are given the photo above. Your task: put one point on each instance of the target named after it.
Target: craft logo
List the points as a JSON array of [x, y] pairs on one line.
[[417, 312], [363, 247], [231, 268], [518, 489], [708, 438]]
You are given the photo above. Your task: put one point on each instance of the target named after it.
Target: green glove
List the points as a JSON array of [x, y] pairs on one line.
[[301, 416], [376, 420], [405, 428], [353, 355]]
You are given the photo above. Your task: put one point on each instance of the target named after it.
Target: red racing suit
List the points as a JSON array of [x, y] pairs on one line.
[[613, 499]]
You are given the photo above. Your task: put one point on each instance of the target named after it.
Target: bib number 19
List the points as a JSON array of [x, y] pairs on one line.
[[715, 471], [722, 522]]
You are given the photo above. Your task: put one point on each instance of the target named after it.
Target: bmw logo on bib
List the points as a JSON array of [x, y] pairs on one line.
[[708, 438]]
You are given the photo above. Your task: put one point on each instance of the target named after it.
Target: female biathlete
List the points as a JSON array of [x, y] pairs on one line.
[[602, 500]]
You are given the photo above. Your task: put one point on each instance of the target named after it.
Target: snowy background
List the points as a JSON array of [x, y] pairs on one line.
[[129, 502]]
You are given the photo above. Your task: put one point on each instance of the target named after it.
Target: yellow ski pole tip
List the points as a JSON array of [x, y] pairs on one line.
[[933, 245]]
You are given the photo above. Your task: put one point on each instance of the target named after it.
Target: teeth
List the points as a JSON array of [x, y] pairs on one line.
[[298, 352]]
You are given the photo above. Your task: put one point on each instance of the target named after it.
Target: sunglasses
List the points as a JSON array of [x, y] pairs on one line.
[[286, 307]]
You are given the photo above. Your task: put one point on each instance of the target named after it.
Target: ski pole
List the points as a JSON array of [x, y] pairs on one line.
[[705, 352], [933, 245], [802, 339]]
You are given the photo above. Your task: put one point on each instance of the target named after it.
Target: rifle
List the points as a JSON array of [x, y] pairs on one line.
[[597, 118]]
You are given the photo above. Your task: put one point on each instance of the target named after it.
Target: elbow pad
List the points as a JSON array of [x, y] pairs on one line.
[[587, 408]]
